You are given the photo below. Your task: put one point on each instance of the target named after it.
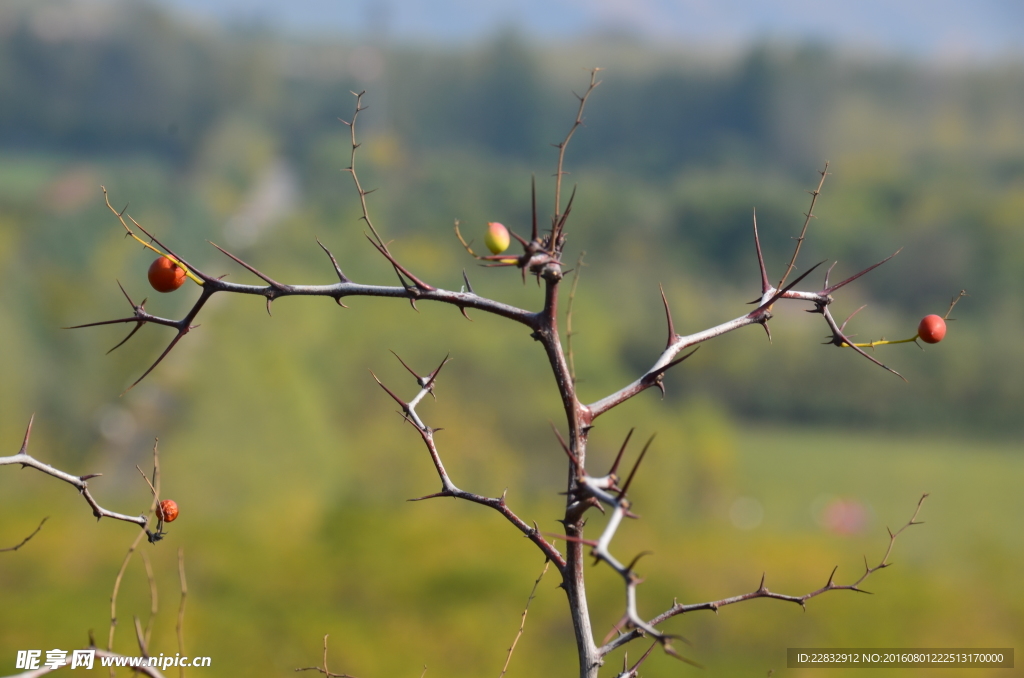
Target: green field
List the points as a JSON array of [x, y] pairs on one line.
[[442, 584]]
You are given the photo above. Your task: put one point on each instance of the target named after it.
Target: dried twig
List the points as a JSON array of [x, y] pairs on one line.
[[179, 627], [323, 669], [594, 82], [26, 539], [155, 487], [568, 314], [803, 231], [522, 623]]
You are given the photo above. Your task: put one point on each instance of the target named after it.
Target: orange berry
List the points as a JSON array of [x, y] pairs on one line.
[[167, 511], [931, 329], [165, 275]]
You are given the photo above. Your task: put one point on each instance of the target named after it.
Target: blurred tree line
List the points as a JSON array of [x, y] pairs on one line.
[[678, 148]]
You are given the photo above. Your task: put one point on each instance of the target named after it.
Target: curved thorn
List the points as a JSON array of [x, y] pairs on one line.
[[518, 237], [625, 488], [163, 355], [629, 568], [337, 269], [668, 318], [829, 272], [662, 370], [833, 288], [405, 406], [267, 279], [130, 302], [765, 285], [411, 371], [28, 434], [565, 448], [447, 357], [130, 334], [618, 457], [843, 326]]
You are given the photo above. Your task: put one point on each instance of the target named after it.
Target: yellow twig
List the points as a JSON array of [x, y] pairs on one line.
[[883, 342], [120, 217]]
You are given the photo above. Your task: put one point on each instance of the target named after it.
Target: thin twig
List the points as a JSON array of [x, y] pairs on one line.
[[568, 314], [117, 589], [153, 599], [803, 231], [155, 487], [522, 623], [594, 82], [26, 539], [324, 670], [179, 627]]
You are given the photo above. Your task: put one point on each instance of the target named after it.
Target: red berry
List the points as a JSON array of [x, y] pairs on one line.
[[165, 275], [931, 329], [167, 511]]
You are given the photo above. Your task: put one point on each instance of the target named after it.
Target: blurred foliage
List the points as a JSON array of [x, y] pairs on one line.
[[288, 463]]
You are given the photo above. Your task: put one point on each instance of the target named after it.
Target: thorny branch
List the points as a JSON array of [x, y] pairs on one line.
[[762, 591], [448, 488], [541, 257], [81, 483]]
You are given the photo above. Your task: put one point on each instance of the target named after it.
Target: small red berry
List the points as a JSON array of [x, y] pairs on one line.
[[167, 511], [931, 329], [165, 275]]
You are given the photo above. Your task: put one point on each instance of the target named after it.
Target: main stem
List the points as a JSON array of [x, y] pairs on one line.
[[578, 419]]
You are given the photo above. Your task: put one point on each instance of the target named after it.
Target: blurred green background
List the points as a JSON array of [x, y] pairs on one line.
[[287, 461]]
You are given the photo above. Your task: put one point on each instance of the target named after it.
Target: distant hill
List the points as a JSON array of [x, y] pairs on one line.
[[943, 28]]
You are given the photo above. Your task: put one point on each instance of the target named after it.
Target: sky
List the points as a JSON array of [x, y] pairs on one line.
[[941, 29]]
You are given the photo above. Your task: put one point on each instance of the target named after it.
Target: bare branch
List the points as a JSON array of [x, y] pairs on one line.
[[763, 592], [81, 483], [28, 538], [953, 302], [594, 82]]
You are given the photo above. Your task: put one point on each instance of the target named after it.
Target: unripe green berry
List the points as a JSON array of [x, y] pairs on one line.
[[497, 238]]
